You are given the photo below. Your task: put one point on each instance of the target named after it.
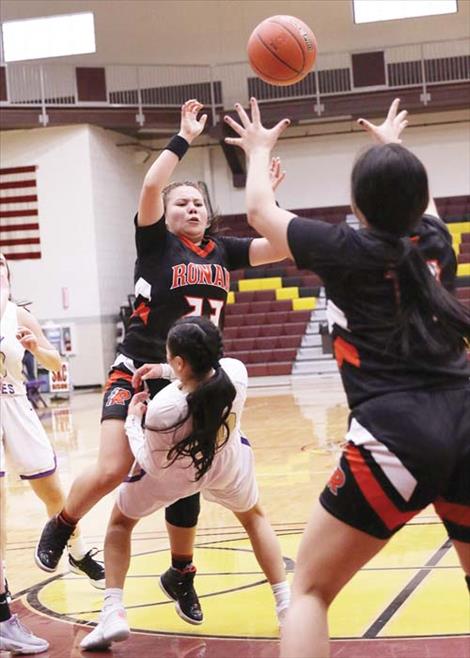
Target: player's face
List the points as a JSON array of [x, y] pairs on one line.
[[186, 213]]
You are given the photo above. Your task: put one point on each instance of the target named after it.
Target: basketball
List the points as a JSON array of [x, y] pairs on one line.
[[282, 50]]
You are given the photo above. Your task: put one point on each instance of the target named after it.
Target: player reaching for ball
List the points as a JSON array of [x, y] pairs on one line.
[[182, 269], [400, 340]]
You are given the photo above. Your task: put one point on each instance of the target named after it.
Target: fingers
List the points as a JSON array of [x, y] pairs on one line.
[[280, 127], [255, 113], [140, 397], [236, 127], [234, 141], [139, 375], [392, 112], [401, 117], [244, 118], [367, 125], [191, 106], [202, 120]]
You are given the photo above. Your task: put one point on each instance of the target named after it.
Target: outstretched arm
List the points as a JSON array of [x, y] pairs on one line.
[[257, 142], [158, 176], [389, 132]]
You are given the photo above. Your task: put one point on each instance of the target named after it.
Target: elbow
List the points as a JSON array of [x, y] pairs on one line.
[[253, 216]]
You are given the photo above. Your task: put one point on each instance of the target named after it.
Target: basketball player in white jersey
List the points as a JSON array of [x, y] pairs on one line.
[[23, 437], [192, 443]]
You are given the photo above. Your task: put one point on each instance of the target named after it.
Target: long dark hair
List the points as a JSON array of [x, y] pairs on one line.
[[390, 188], [199, 342]]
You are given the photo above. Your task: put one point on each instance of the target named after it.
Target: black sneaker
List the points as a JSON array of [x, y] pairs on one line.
[[90, 567], [52, 543], [178, 586]]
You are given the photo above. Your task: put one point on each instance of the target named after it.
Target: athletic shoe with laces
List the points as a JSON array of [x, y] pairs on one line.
[[52, 543], [178, 586], [112, 627], [17, 639], [90, 567]]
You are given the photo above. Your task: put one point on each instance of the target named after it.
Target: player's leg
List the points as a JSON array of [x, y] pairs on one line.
[[329, 555], [81, 560], [268, 553], [114, 462], [113, 626], [178, 581], [14, 637]]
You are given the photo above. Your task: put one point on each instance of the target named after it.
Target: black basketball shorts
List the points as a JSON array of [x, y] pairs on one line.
[[404, 451], [119, 390]]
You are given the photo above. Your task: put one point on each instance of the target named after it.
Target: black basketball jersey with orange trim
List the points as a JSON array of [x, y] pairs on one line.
[[362, 305], [174, 278]]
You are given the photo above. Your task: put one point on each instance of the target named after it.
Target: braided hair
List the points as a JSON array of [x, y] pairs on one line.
[[199, 342]]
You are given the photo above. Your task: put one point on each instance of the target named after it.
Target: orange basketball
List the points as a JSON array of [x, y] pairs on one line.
[[282, 50]]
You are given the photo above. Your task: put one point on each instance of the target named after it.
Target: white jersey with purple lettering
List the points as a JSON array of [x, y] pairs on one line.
[[23, 438], [229, 481]]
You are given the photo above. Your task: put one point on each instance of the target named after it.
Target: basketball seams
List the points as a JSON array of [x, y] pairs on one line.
[[267, 76], [260, 38], [297, 39]]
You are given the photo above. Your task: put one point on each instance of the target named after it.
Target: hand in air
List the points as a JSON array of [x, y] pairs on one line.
[[191, 127], [252, 133], [147, 371], [276, 175], [390, 130], [27, 339], [138, 404]]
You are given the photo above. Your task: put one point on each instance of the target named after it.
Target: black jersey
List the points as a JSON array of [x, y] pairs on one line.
[[173, 278], [362, 304]]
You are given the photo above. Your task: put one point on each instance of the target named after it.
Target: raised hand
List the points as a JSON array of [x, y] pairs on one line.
[[147, 371], [27, 339], [191, 127], [138, 404], [390, 130], [252, 133], [276, 175]]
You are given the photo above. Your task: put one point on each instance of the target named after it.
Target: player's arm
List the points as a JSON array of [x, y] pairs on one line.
[[158, 176], [389, 132], [32, 338], [257, 142]]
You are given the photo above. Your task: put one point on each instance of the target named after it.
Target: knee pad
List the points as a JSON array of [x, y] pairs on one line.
[[185, 512]]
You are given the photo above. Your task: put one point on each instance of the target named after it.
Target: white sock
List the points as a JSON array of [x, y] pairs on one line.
[[281, 593], [112, 596], [77, 547]]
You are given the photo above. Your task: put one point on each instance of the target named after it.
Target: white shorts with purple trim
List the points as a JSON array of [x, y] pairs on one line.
[[24, 441]]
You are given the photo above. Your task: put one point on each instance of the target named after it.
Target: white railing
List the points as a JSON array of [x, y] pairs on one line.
[[414, 65]]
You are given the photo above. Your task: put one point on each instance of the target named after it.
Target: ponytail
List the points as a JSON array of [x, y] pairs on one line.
[[428, 314], [199, 342], [209, 407], [389, 185]]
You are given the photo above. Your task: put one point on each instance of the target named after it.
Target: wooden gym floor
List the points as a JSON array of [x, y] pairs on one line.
[[409, 602]]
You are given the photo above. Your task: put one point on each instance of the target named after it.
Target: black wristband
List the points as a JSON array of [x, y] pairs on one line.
[[177, 145]]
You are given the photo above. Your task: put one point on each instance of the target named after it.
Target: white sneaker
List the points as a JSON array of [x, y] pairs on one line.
[[17, 639], [112, 627]]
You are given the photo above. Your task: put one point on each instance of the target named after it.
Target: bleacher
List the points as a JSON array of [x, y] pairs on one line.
[[275, 317]]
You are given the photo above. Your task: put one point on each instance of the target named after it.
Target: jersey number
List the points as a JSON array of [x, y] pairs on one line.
[[196, 304]]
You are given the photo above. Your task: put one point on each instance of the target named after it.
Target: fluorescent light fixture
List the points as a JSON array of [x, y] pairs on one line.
[[49, 36], [371, 11]]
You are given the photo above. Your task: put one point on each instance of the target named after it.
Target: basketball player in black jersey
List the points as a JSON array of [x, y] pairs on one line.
[[179, 271], [400, 341]]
